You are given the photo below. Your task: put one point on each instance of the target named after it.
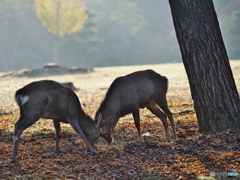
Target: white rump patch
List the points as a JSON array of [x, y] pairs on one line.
[[22, 99]]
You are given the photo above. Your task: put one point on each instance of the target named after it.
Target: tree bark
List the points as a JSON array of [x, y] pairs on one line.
[[204, 55]]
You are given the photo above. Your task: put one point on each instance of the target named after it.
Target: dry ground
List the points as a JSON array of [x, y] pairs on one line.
[[191, 156]]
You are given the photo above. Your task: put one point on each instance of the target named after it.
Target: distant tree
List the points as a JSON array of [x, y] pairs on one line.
[[11, 32], [213, 89], [129, 22], [85, 46], [61, 18], [229, 15], [234, 34], [126, 15]]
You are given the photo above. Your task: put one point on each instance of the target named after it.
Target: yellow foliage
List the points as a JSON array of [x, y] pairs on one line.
[[62, 17]]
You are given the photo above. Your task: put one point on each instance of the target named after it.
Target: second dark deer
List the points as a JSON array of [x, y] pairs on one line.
[[129, 93]]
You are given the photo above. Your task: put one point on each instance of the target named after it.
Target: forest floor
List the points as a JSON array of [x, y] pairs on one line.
[[192, 156]]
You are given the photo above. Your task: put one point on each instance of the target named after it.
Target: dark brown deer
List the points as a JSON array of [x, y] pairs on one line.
[[51, 100], [129, 93]]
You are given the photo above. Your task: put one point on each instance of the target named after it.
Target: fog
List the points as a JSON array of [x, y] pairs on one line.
[[113, 33]]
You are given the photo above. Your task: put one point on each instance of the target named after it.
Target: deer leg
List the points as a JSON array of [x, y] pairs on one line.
[[170, 117], [74, 123], [58, 129], [136, 118], [23, 123], [163, 105], [153, 107]]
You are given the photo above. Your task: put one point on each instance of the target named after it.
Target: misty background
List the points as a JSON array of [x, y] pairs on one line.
[[103, 33]]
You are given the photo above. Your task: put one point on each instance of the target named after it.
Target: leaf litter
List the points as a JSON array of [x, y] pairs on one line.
[[191, 156]]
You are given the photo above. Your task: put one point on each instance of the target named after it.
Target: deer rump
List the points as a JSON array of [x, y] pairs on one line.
[[46, 102]]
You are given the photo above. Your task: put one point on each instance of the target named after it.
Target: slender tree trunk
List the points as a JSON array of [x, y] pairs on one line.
[[56, 40], [213, 89], [56, 50]]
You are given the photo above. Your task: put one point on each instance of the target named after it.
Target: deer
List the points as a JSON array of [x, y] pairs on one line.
[[127, 94], [51, 100]]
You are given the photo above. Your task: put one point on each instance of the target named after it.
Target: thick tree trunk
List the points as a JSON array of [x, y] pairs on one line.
[[213, 89]]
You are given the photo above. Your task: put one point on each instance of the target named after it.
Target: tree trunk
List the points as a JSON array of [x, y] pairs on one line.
[[213, 89]]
